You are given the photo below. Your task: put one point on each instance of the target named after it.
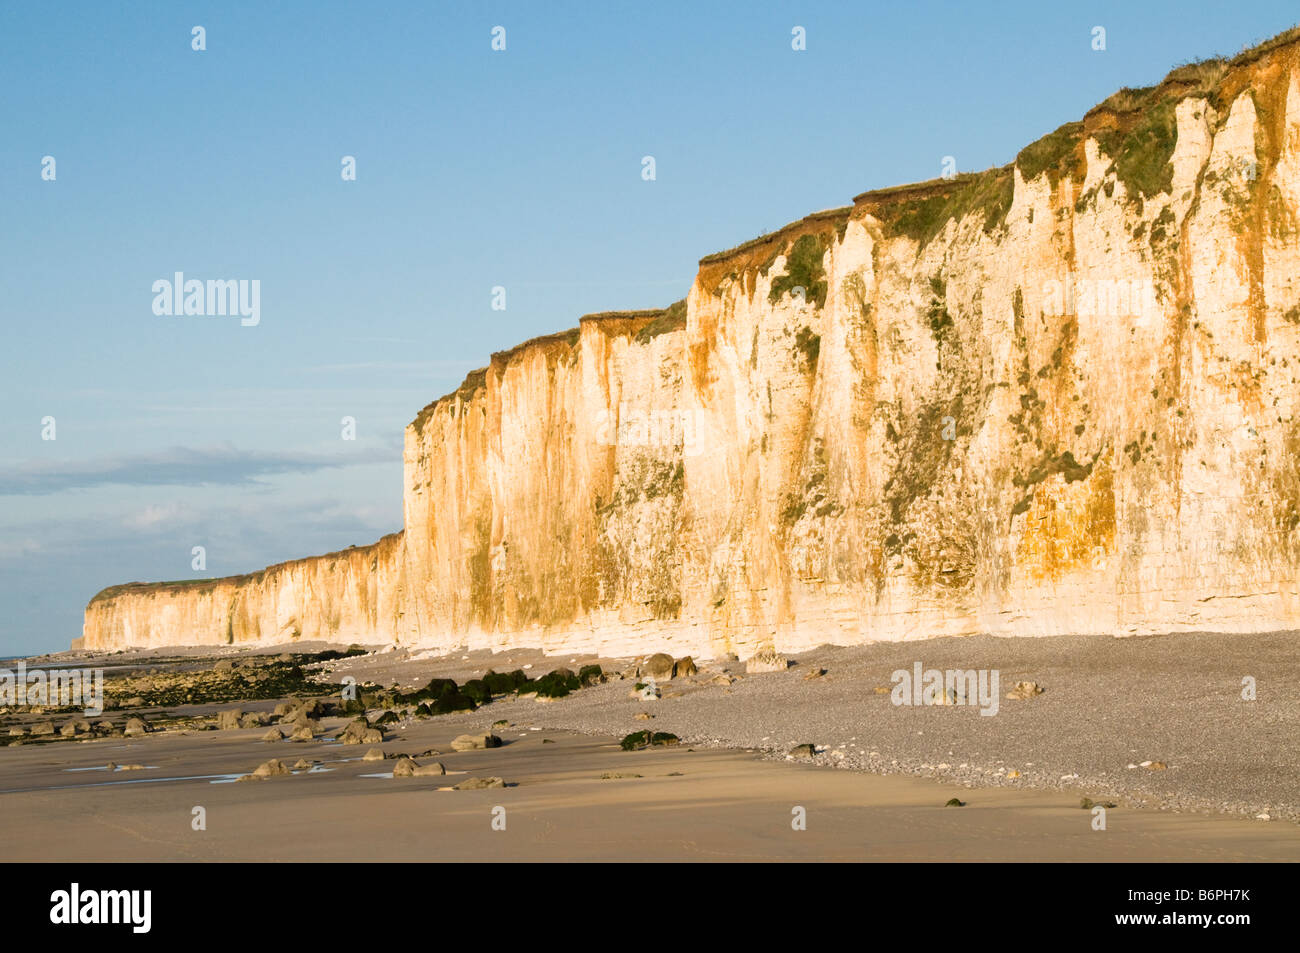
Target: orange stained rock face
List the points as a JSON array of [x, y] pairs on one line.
[[1069, 526]]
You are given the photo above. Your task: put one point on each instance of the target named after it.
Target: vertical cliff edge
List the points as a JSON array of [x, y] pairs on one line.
[[1058, 396]]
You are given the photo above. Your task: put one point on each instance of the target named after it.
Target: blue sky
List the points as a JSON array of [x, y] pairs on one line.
[[475, 168]]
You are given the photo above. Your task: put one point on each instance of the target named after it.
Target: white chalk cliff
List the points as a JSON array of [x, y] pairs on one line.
[[1059, 396]]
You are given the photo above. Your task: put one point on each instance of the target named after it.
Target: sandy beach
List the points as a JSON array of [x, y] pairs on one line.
[[571, 798], [875, 786]]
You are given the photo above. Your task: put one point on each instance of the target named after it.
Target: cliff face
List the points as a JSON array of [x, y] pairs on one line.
[[344, 592], [1054, 397]]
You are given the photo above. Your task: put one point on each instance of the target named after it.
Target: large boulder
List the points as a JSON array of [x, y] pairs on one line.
[[684, 667], [472, 742], [408, 768], [73, 727], [229, 719], [270, 769], [134, 726], [360, 732], [658, 666]]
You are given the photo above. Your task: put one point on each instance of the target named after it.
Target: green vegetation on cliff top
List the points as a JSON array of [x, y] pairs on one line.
[[1135, 128], [923, 216], [803, 269], [672, 318]]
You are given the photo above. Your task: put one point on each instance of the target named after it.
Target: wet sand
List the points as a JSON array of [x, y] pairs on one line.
[[703, 804]]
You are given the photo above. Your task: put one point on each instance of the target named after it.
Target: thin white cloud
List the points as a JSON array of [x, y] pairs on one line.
[[177, 466]]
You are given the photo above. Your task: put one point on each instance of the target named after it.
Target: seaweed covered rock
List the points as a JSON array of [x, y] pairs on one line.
[[556, 684], [381, 698], [502, 683], [647, 739], [348, 706], [440, 697]]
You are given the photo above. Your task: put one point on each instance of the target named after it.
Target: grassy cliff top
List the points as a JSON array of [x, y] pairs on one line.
[[1135, 127], [645, 323]]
